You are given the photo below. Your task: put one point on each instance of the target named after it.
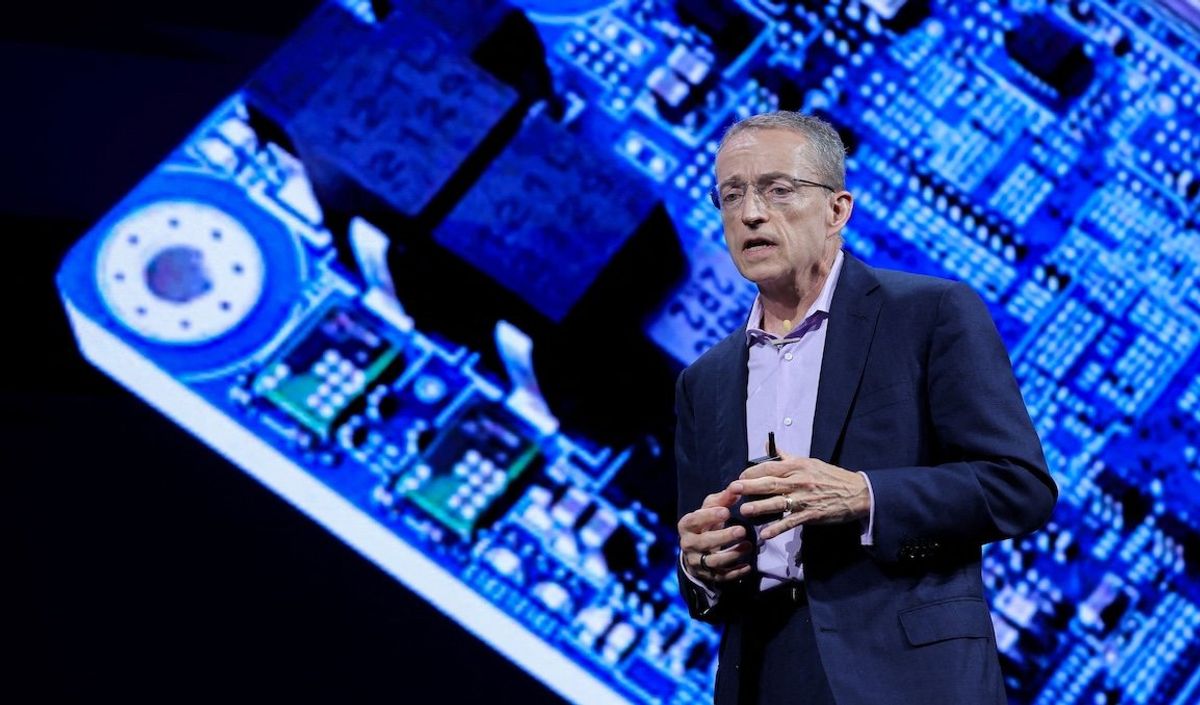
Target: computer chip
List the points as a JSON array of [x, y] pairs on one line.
[[470, 468], [328, 369]]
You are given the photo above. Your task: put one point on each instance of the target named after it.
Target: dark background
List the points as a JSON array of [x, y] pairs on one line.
[[139, 564]]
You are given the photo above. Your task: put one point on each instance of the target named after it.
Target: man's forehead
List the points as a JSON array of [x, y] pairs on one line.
[[761, 149], [760, 178]]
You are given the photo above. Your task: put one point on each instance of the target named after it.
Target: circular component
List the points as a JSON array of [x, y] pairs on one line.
[[180, 272], [429, 389]]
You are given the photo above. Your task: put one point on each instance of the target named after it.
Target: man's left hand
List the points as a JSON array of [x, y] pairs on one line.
[[819, 493]]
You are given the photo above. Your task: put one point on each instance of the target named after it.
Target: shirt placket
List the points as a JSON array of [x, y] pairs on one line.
[[785, 420]]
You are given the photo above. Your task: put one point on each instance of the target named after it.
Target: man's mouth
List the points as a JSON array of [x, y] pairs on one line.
[[755, 244]]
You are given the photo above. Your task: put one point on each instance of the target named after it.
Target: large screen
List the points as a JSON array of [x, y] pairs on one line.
[[431, 273]]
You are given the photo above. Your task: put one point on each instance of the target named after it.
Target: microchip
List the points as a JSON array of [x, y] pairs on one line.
[[371, 120], [282, 86], [328, 369], [1052, 54], [469, 470], [547, 217]]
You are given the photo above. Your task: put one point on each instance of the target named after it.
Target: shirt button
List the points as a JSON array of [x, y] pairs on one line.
[[788, 357], [787, 421]]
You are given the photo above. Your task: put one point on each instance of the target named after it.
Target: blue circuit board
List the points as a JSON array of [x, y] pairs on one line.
[[430, 280]]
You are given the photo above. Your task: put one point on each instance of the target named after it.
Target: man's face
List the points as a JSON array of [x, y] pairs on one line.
[[781, 233]]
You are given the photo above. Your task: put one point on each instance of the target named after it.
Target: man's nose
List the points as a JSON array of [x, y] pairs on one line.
[[754, 211]]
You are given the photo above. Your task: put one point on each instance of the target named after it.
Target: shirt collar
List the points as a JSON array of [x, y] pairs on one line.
[[754, 332]]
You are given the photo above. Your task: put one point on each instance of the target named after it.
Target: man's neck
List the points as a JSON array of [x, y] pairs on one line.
[[784, 307]]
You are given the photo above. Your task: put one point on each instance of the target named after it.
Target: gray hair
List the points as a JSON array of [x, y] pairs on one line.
[[825, 145]]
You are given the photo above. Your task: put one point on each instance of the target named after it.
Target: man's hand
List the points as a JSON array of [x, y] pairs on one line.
[[814, 491], [712, 553]]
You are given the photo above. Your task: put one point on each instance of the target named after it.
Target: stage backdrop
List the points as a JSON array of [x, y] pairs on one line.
[[430, 274]]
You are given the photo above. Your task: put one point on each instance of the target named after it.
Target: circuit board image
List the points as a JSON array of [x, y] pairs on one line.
[[431, 280]]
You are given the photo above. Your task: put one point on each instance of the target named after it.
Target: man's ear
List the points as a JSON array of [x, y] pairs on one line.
[[841, 205]]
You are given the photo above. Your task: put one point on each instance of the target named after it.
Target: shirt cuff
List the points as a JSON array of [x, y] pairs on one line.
[[710, 594], [868, 535]]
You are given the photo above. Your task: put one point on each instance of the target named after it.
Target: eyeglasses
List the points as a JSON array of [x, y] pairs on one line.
[[776, 192]]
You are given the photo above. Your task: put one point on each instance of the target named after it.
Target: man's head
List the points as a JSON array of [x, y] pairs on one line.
[[781, 191]]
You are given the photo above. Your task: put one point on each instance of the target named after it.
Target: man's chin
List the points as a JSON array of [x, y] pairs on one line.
[[762, 274]]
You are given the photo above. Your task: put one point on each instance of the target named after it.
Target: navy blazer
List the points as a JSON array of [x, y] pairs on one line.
[[916, 390]]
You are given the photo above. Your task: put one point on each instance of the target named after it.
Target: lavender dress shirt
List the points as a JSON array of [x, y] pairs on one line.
[[781, 396]]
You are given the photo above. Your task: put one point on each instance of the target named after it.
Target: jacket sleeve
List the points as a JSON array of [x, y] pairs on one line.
[[691, 495], [993, 482]]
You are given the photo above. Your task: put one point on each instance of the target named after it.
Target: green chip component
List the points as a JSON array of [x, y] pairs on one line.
[[327, 368], [468, 474]]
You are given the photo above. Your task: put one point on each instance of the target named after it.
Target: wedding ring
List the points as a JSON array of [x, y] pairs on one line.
[[787, 504], [703, 564]]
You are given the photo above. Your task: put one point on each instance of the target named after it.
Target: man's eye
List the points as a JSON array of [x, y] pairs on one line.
[[781, 191], [731, 197]]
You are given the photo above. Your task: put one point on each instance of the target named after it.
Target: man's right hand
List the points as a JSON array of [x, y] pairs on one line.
[[727, 554]]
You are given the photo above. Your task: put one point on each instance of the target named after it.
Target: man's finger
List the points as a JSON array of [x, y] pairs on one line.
[[787, 523], [771, 468], [703, 520], [710, 541], [724, 498], [761, 485], [771, 505], [717, 562], [735, 574]]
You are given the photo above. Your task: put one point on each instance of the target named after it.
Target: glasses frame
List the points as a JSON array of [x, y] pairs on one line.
[[715, 196]]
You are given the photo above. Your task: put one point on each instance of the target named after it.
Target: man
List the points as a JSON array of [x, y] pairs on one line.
[[905, 447]]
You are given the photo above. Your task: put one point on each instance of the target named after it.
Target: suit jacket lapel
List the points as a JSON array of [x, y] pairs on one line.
[[853, 314], [731, 406]]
